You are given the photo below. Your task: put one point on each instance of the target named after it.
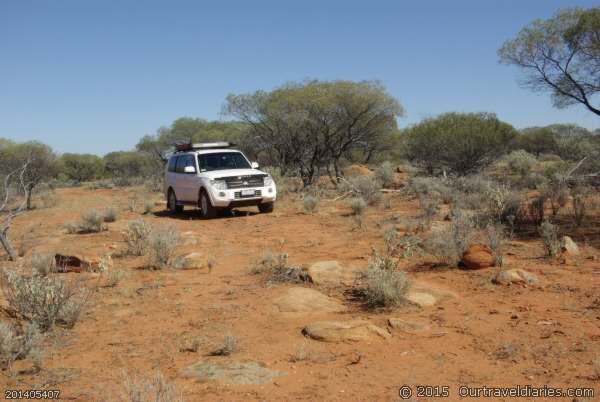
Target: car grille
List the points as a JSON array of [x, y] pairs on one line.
[[244, 181], [238, 194]]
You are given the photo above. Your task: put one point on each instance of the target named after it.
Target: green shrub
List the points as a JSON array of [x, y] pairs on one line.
[[156, 389], [43, 300], [358, 206], [16, 347], [110, 214], [92, 221], [366, 187], [385, 174], [162, 242], [278, 269], [450, 244], [549, 234], [136, 236], [520, 162], [496, 238], [310, 204], [385, 286], [43, 264]]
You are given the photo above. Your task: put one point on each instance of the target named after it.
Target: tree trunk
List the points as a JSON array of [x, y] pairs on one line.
[[28, 195], [12, 255]]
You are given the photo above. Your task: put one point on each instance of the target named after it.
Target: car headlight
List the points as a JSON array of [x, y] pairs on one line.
[[268, 181], [218, 184]]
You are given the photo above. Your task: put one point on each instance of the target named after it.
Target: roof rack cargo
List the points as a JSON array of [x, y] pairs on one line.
[[182, 147]]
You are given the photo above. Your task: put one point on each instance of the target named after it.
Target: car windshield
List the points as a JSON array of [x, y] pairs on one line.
[[222, 160]]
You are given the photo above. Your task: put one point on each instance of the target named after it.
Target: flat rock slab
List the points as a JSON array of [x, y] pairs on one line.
[[306, 300], [344, 331], [331, 273], [424, 294], [508, 276], [236, 373], [410, 327]]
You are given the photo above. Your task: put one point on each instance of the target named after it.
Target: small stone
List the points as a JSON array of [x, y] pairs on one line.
[[409, 327], [568, 246], [331, 273], [245, 372], [516, 275], [305, 300]]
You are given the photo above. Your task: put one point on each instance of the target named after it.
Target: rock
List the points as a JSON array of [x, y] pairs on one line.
[[331, 273], [478, 256], [194, 260], [357, 170], [348, 331], [424, 294], [409, 327], [75, 263], [245, 372], [305, 300], [568, 246], [516, 275]]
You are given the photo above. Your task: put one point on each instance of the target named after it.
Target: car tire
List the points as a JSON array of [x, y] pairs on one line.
[[206, 208], [172, 203], [266, 208]]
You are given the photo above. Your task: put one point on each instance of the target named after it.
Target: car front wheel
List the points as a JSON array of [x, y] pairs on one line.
[[206, 208], [172, 203], [266, 208]]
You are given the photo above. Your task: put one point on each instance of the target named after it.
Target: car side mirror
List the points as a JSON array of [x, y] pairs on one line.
[[254, 165], [189, 169]]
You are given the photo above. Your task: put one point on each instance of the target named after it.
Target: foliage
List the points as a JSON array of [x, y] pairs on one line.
[[162, 242], [278, 269], [80, 167], [549, 234], [385, 285], [560, 55], [358, 206], [92, 221], [136, 236], [15, 346], [459, 143], [385, 174], [366, 187], [309, 126], [310, 204]]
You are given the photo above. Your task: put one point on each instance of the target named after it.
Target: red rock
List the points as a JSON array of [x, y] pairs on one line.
[[478, 256]]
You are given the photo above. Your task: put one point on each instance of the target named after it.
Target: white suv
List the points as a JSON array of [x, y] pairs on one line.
[[214, 177]]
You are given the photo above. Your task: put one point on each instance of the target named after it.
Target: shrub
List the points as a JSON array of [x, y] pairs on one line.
[[358, 206], [450, 244], [579, 202], [431, 187], [156, 389], [71, 227], [92, 221], [549, 234], [365, 187], [43, 300], [43, 264], [536, 209], [136, 236], [520, 162], [148, 207], [310, 204], [48, 198], [385, 285], [113, 277], [230, 346], [495, 237], [16, 347], [460, 143], [277, 268], [557, 193], [110, 214], [385, 174], [429, 206], [502, 203], [162, 242]]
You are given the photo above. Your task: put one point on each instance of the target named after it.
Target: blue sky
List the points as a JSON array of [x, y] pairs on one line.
[[95, 76]]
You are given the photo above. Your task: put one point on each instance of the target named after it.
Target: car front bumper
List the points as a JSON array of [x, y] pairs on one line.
[[240, 197]]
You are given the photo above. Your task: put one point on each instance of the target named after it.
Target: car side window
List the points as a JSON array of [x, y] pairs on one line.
[[172, 163], [181, 163]]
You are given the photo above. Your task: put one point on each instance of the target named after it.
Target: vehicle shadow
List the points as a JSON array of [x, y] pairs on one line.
[[193, 215]]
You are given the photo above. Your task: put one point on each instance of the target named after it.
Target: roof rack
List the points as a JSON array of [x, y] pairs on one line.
[[188, 146]]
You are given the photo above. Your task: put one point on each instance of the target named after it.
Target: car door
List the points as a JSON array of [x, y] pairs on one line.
[[186, 181]]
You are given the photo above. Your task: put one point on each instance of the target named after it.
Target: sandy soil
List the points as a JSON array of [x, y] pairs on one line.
[[488, 335]]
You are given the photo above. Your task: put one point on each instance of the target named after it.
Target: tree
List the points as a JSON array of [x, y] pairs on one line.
[[40, 159], [80, 167], [459, 143], [537, 141], [127, 164], [560, 55], [11, 184], [309, 126]]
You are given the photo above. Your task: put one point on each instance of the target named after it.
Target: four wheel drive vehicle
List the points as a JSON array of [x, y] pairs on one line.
[[214, 177]]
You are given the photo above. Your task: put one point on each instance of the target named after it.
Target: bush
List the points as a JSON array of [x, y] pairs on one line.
[[92, 221], [310, 204], [156, 389], [136, 237], [459, 143], [162, 242], [43, 264], [365, 187], [110, 214], [450, 244], [429, 206], [43, 300], [148, 207], [277, 268], [16, 347], [549, 234], [431, 187], [230, 346], [520, 162], [495, 237], [579, 202], [385, 285], [358, 206], [557, 193], [385, 174]]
